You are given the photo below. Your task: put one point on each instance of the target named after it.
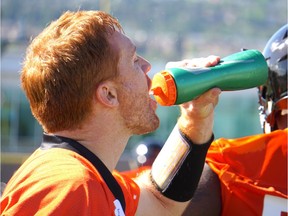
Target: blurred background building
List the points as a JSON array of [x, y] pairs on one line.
[[163, 30]]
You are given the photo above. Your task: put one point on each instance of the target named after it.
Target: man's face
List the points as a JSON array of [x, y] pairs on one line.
[[136, 106]]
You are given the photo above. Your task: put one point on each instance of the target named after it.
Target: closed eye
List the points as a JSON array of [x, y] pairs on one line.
[[136, 60]]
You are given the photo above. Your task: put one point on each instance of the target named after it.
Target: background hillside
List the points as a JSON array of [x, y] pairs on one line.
[[163, 30]]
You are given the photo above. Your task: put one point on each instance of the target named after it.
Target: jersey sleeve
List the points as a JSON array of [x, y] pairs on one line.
[[130, 190], [250, 169]]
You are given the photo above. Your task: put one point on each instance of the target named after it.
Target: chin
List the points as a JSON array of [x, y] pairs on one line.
[[149, 127]]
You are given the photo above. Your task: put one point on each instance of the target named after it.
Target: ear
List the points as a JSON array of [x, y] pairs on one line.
[[106, 94]]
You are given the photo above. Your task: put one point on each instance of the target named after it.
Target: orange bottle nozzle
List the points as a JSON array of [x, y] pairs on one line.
[[157, 91], [164, 88]]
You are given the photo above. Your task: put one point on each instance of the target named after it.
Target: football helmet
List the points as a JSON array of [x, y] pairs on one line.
[[273, 94]]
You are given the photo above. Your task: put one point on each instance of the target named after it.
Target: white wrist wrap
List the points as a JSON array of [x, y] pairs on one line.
[[177, 169]]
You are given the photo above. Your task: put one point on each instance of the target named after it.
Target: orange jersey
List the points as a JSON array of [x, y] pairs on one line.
[[253, 174], [61, 182]]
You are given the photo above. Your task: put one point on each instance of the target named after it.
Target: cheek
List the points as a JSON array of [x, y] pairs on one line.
[[133, 97], [136, 84], [134, 103]]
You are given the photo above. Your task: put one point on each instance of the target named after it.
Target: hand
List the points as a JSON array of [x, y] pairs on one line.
[[197, 116], [196, 62]]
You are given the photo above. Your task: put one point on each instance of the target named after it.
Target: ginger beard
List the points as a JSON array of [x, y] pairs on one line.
[[137, 110]]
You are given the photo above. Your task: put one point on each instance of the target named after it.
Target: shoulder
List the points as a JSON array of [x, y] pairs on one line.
[[61, 163], [57, 168], [277, 139], [55, 181], [278, 134]]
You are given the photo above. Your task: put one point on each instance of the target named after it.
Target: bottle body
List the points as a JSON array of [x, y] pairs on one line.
[[243, 70]]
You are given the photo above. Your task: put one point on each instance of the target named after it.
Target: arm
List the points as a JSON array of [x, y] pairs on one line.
[[196, 124], [207, 198]]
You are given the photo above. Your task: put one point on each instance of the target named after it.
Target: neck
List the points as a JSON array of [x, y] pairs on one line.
[[105, 141]]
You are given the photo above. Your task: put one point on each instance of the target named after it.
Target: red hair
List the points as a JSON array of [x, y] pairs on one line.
[[64, 65]]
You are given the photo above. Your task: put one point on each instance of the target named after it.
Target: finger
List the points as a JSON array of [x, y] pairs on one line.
[[206, 103], [203, 106], [211, 96], [174, 64], [212, 60], [209, 61]]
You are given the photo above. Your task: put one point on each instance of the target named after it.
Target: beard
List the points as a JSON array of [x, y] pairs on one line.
[[138, 115]]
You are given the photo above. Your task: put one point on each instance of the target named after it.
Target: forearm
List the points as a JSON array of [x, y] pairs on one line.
[[152, 202], [175, 174]]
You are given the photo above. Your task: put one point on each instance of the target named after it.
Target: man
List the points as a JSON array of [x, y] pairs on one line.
[[89, 90], [252, 171]]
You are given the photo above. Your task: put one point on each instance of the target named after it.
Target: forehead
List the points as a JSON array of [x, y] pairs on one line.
[[122, 44]]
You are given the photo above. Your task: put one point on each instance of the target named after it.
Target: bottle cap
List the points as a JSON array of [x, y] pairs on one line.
[[164, 88]]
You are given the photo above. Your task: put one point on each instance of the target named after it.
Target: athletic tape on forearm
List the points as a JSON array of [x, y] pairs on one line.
[[178, 167]]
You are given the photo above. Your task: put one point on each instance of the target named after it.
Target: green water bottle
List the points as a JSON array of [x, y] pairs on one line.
[[242, 70]]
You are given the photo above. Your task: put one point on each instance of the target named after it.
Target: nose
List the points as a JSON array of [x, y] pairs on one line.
[[145, 65]]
